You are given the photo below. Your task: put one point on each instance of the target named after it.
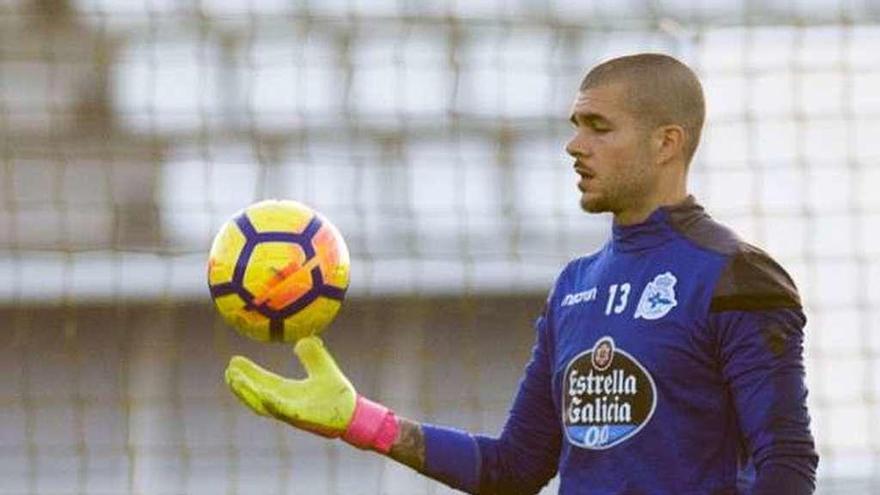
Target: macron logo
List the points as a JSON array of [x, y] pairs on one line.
[[580, 297]]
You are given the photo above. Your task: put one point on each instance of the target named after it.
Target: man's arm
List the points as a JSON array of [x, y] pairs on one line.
[[757, 317], [520, 461], [762, 361]]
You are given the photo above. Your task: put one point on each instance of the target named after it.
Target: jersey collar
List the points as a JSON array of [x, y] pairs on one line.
[[656, 229]]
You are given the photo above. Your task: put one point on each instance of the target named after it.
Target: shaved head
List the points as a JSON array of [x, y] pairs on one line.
[[660, 90]]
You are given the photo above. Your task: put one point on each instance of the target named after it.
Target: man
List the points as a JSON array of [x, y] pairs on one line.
[[669, 362]]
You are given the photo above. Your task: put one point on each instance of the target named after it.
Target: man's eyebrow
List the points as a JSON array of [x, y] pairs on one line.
[[586, 116]]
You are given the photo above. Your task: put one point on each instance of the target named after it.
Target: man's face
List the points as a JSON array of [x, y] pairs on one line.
[[611, 150]]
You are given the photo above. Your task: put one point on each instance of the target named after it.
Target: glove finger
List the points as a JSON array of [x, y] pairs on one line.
[[244, 389], [258, 375], [315, 358]]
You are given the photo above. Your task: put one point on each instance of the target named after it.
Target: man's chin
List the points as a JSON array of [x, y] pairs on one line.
[[594, 204]]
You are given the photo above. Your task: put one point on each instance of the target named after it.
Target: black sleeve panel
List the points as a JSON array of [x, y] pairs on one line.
[[753, 281]]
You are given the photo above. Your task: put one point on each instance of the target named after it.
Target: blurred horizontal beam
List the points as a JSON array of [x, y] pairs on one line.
[[758, 15]]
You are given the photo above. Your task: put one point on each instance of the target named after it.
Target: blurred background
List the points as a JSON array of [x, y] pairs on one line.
[[432, 134]]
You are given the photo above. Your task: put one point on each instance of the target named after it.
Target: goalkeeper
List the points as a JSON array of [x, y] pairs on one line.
[[668, 362]]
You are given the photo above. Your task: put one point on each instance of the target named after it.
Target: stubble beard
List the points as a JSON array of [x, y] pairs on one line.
[[594, 204], [616, 197], [619, 191]]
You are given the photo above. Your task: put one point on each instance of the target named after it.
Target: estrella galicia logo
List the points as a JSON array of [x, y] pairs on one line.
[[608, 397], [658, 298]]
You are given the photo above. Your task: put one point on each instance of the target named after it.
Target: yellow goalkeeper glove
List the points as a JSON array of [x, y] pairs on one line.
[[325, 402]]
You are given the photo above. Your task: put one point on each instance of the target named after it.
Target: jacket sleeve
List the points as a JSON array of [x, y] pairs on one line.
[[757, 317], [524, 457]]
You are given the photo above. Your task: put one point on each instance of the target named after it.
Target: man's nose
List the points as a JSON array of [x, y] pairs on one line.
[[576, 148]]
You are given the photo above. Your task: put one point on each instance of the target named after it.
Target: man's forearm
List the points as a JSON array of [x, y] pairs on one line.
[[409, 447], [454, 454], [793, 477]]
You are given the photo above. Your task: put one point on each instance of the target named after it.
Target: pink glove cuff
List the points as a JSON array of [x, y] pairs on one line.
[[373, 426]]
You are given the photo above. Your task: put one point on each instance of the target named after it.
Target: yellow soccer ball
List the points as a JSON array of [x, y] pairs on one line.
[[278, 271]]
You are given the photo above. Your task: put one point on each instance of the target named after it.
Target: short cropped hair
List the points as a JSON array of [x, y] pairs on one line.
[[661, 91]]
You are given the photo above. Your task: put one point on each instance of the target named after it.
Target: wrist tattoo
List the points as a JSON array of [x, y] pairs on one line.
[[409, 447]]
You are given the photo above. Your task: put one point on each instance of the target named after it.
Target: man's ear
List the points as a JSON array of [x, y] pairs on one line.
[[669, 143]]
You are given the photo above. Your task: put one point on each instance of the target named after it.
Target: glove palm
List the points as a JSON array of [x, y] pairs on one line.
[[323, 403]]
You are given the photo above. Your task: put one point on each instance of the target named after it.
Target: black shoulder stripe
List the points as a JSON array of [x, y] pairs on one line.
[[753, 281], [753, 302]]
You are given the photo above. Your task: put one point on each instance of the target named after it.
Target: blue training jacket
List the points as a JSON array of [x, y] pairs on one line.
[[669, 362]]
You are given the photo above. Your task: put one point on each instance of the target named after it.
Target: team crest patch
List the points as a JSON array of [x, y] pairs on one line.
[[608, 397], [658, 298]]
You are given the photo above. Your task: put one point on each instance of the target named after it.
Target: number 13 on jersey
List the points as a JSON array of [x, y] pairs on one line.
[[618, 296]]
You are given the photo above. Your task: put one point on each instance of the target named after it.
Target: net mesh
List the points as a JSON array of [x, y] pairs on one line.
[[432, 134]]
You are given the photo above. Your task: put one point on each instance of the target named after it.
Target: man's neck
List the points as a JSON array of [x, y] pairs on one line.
[[640, 213]]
